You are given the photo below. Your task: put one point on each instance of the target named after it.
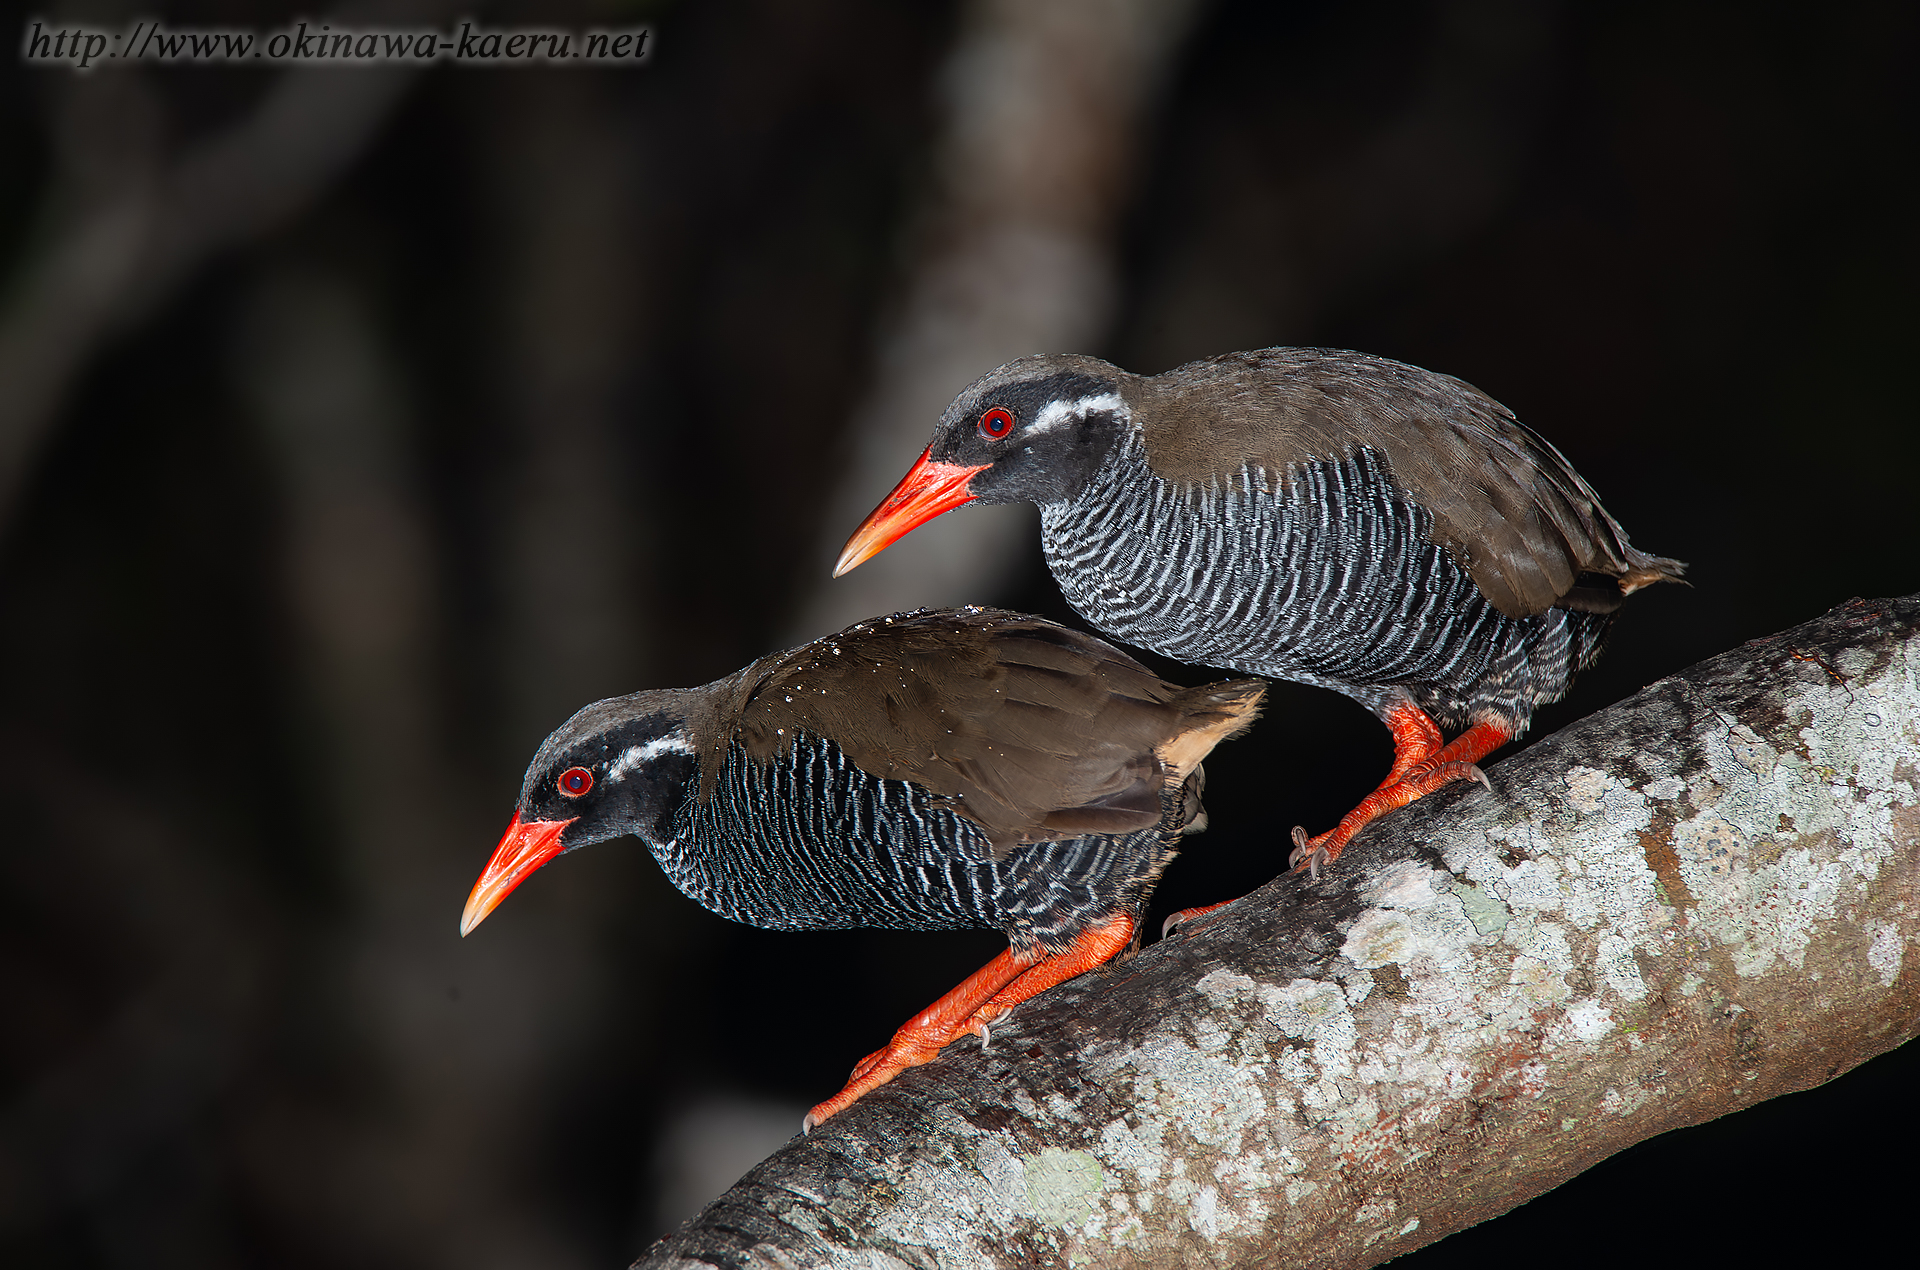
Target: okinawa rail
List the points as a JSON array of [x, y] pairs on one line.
[[1309, 514], [935, 770]]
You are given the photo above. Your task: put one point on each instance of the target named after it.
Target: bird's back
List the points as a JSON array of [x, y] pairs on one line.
[[943, 769], [1505, 505]]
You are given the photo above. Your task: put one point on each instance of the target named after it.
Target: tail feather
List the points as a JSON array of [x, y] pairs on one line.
[[1645, 570], [1212, 713], [1603, 592]]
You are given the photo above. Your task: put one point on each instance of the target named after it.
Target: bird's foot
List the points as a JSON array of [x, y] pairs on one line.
[[875, 1070], [1186, 915], [1422, 779], [922, 1037], [981, 1024], [975, 1006], [1092, 947]]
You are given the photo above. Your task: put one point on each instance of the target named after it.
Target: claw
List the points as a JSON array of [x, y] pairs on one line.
[[984, 1021], [1417, 771], [1176, 920], [1304, 852], [987, 994]]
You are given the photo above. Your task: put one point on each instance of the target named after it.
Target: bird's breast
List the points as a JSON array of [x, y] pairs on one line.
[[805, 840], [1325, 573]]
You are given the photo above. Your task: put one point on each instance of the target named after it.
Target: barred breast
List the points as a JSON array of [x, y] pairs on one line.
[[809, 841], [1325, 573]]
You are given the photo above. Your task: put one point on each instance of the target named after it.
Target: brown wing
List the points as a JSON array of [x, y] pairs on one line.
[[1033, 731], [1508, 506]]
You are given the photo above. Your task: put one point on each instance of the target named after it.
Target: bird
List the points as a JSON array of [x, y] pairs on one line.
[[1309, 514], [931, 770]]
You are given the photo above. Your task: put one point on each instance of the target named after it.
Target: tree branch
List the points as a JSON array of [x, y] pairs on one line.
[[1693, 901]]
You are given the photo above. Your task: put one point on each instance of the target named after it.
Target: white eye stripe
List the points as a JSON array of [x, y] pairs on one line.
[[671, 743], [1055, 413]]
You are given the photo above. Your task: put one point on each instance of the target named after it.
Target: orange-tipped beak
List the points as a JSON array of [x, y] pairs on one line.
[[923, 493], [523, 848]]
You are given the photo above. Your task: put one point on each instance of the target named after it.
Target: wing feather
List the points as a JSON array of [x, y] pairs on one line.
[[1033, 731], [1504, 501]]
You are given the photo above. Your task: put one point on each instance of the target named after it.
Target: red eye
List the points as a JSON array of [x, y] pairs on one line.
[[575, 781], [996, 423]]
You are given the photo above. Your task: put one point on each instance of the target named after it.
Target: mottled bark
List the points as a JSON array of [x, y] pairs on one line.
[[1695, 900]]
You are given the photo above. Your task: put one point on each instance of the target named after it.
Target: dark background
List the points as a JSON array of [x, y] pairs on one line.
[[538, 399]]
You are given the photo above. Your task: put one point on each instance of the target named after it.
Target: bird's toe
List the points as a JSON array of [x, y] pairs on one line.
[[1187, 915]]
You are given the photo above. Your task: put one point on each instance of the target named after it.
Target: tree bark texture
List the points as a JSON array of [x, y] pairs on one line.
[[1695, 900]]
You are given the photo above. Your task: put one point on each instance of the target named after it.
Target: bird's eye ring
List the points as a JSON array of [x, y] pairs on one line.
[[575, 781], [996, 423]]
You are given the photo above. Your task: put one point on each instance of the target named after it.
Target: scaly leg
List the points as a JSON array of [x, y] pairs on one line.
[[922, 1037], [1186, 915], [1420, 766], [1415, 738], [1092, 947], [986, 995]]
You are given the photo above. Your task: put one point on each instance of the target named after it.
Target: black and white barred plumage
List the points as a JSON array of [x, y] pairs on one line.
[[937, 770], [1310, 514], [1327, 574], [926, 771], [808, 841]]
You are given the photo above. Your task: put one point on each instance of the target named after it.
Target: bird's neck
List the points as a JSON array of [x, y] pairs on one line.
[[1120, 478]]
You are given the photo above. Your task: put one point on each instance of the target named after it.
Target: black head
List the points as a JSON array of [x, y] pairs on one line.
[[1041, 426], [620, 766], [1033, 431]]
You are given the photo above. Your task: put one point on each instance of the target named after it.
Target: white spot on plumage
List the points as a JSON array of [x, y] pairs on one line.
[[646, 752], [1055, 413]]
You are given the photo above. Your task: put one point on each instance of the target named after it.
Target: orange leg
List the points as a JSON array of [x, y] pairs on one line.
[[923, 1036], [986, 995], [1420, 766], [1415, 739], [1090, 948]]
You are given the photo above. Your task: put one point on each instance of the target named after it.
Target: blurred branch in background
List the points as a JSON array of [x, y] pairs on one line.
[[1045, 104], [425, 1174], [562, 188], [1242, 250], [125, 226], [1048, 109], [578, 598]]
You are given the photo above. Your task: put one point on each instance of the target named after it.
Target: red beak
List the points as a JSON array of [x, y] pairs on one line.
[[923, 493], [523, 848]]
